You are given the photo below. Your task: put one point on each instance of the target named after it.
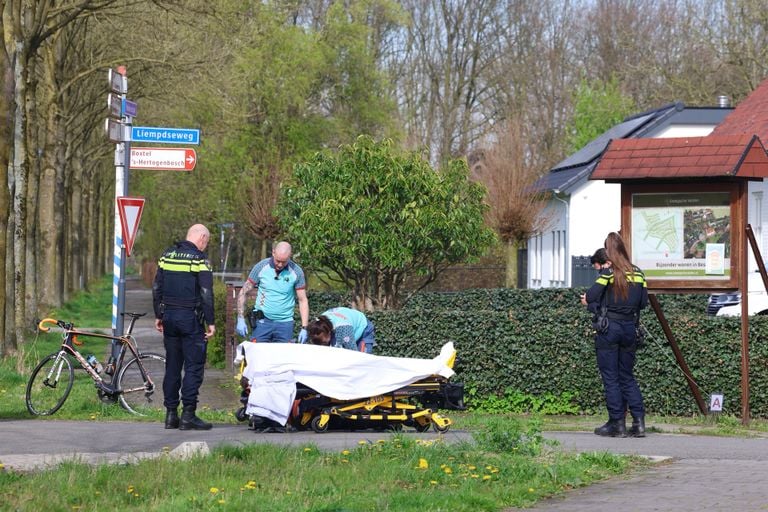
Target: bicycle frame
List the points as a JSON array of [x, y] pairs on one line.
[[127, 344]]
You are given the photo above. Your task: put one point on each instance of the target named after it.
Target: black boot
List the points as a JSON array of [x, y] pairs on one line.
[[191, 422], [171, 418], [638, 427], [613, 428]]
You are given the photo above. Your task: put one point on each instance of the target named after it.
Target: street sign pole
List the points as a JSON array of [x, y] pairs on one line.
[[119, 85]]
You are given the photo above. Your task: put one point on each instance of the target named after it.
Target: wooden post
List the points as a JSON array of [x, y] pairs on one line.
[[676, 350]]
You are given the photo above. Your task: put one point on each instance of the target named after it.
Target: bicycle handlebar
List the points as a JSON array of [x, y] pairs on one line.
[[44, 321], [60, 323]]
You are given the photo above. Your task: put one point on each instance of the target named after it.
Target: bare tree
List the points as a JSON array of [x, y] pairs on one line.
[[517, 211], [260, 206], [442, 74]]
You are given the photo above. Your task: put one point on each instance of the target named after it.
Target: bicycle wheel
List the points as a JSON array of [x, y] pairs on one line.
[[136, 395], [49, 385]]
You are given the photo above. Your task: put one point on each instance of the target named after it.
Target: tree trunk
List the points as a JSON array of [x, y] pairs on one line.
[[32, 243], [19, 172], [6, 100]]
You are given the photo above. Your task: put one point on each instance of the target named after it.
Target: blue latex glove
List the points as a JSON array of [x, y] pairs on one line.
[[242, 328], [302, 335]]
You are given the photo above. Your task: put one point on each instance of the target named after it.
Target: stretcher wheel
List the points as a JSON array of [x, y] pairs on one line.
[[317, 426], [440, 428]]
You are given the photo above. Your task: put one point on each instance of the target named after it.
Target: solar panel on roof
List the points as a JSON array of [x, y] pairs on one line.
[[593, 149]]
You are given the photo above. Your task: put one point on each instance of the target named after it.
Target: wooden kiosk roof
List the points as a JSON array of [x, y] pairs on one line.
[[714, 156]]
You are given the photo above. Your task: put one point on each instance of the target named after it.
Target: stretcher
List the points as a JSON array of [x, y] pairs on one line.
[[320, 388]]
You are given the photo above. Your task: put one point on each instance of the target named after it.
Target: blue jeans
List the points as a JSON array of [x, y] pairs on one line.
[[269, 331], [616, 362], [185, 349], [368, 337]]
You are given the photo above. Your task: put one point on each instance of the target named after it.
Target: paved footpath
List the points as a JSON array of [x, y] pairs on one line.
[[697, 473]]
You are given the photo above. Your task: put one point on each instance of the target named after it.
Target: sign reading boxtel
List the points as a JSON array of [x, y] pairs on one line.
[[163, 159]]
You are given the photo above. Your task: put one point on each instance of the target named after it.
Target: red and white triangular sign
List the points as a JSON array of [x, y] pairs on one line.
[[129, 209]]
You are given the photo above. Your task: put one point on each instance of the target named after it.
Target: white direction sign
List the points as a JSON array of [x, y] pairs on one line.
[[163, 159]]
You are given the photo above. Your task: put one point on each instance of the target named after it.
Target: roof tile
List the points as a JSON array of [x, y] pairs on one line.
[[675, 158], [749, 117]]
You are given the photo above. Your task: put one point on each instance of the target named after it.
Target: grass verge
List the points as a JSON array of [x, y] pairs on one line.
[[401, 474]]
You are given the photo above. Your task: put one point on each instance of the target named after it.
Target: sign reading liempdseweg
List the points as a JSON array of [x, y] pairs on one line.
[[682, 235]]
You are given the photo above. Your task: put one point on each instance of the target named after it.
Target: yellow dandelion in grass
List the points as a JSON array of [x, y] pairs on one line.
[[433, 482], [214, 490], [307, 449], [221, 502], [287, 492], [381, 441], [531, 489], [471, 468], [447, 470], [486, 477], [345, 452], [93, 416], [362, 442], [130, 489], [423, 464], [345, 461], [475, 475], [2, 466], [135, 495]]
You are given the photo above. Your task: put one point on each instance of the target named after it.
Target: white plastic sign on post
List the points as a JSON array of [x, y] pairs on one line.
[[716, 403], [130, 209]]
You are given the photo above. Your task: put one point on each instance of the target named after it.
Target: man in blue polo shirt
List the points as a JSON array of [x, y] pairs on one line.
[[279, 282]]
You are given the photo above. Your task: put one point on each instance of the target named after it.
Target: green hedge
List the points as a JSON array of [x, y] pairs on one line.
[[540, 342]]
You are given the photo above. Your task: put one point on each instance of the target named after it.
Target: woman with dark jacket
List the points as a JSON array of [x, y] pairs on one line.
[[621, 289]]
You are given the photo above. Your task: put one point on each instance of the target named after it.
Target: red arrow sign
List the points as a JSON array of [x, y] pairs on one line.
[[163, 159], [129, 209]]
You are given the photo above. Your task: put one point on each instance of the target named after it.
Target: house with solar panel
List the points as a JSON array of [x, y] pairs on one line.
[[582, 211]]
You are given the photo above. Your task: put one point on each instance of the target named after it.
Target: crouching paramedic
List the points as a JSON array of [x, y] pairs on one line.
[[182, 296], [343, 328]]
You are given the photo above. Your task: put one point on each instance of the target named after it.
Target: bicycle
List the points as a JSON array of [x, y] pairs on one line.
[[131, 383]]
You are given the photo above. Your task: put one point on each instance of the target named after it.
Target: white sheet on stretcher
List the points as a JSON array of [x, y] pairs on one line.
[[274, 368]]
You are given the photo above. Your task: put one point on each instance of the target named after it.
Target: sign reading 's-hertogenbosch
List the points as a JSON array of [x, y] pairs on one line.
[[165, 135]]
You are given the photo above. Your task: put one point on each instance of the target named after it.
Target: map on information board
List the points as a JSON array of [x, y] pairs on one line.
[[672, 234]]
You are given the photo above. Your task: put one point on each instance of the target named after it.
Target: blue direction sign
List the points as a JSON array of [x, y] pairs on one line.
[[165, 135]]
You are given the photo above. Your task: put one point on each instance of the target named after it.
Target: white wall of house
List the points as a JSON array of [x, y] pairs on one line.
[[578, 227], [595, 212], [685, 130]]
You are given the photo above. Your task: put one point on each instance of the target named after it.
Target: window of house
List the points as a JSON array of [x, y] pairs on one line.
[[558, 256], [537, 256]]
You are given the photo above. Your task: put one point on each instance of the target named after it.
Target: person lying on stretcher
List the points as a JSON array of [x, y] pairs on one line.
[[343, 328]]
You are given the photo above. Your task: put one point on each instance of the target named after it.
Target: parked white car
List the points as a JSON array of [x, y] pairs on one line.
[[729, 304]]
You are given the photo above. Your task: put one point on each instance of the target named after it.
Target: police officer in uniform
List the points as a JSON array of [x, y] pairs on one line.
[[183, 302], [622, 289]]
